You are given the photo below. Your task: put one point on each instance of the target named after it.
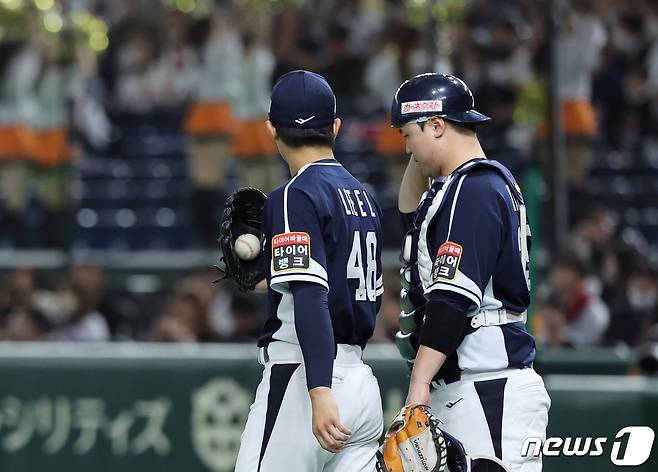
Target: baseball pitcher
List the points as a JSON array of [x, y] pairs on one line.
[[318, 407]]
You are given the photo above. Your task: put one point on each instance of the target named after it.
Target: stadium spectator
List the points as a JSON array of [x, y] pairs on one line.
[[210, 122], [175, 76], [396, 54], [82, 292], [136, 72], [571, 311], [594, 239], [634, 312], [185, 319], [580, 42], [22, 285], [344, 69], [361, 22], [24, 324], [216, 297], [248, 312], [21, 66], [253, 145], [51, 164]]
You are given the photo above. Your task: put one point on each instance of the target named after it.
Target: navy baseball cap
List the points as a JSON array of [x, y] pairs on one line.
[[302, 99]]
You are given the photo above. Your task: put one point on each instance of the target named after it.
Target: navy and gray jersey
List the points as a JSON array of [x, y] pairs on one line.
[[322, 226], [473, 243]]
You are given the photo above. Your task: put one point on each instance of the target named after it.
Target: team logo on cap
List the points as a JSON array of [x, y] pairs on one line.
[[422, 106], [301, 121]]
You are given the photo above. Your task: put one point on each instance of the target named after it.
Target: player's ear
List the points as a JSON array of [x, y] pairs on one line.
[[438, 126], [271, 129], [337, 124]]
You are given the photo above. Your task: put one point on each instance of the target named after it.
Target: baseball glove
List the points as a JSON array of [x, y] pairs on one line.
[[415, 443], [243, 214]]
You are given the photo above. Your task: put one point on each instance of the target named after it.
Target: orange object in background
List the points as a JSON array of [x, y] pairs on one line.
[[53, 147], [18, 142], [9, 142], [210, 119], [578, 118], [389, 142], [46, 148], [252, 139]]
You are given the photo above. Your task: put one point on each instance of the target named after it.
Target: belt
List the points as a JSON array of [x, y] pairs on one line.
[[282, 352], [496, 318], [478, 376]]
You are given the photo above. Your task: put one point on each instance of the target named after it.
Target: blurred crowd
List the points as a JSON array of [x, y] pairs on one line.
[[601, 288], [607, 298], [60, 101], [81, 306], [63, 99]]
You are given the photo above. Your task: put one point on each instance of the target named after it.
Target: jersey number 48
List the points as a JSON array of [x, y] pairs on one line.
[[365, 274]]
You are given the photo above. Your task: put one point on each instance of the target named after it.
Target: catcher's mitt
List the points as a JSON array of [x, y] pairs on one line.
[[415, 443], [243, 214]]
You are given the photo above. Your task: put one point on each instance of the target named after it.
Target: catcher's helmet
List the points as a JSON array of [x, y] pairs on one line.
[[434, 94]]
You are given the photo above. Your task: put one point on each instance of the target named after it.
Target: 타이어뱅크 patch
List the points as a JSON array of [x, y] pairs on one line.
[[291, 251], [447, 261]]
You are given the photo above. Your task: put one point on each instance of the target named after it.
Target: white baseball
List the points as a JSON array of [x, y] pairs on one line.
[[247, 246]]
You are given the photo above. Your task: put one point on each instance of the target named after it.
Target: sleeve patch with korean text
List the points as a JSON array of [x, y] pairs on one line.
[[447, 261], [291, 251]]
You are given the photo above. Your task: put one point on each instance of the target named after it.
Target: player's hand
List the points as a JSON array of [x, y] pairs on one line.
[[428, 362], [330, 432], [419, 393]]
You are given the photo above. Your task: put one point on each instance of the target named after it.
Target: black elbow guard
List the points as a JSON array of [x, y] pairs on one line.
[[443, 327]]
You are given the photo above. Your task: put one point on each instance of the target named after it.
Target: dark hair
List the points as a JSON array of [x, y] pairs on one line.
[[299, 137], [462, 128]]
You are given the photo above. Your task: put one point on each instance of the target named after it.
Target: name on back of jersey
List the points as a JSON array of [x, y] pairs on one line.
[[447, 261], [291, 251], [356, 203]]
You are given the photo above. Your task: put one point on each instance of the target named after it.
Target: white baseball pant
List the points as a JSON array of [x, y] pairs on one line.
[[492, 414], [278, 435]]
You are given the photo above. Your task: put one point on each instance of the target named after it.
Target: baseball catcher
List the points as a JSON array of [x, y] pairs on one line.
[[466, 276], [243, 215], [415, 443]]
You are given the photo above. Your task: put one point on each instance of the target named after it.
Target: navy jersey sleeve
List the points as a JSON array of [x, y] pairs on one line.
[[297, 243], [465, 240], [315, 332]]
